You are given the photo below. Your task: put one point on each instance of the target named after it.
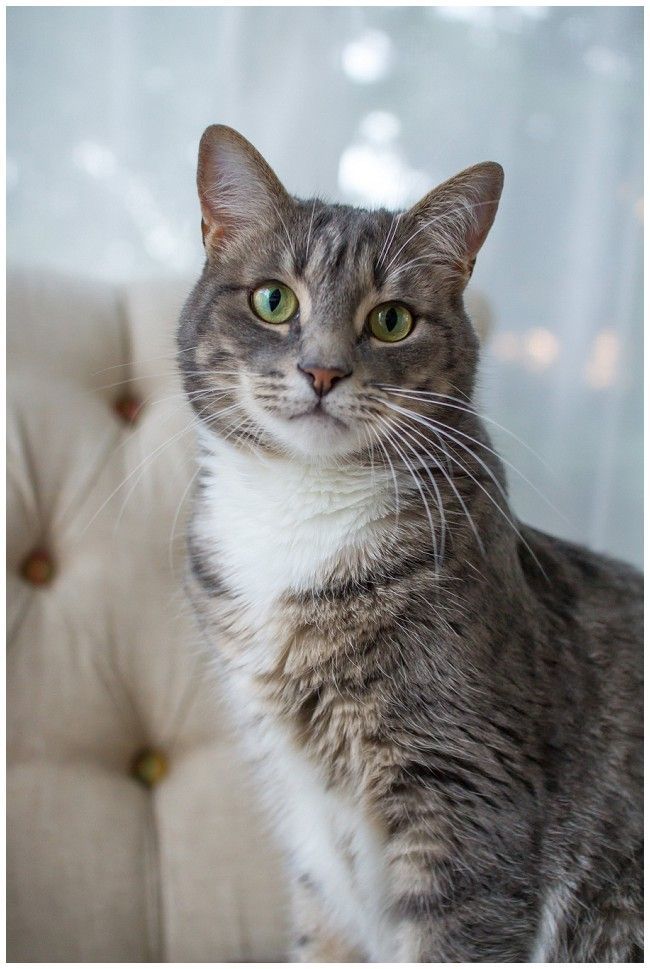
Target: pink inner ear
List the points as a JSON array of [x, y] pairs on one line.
[[226, 181], [478, 228], [212, 232], [486, 188], [461, 212], [236, 187]]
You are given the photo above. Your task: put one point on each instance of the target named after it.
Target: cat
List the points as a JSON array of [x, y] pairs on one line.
[[443, 704]]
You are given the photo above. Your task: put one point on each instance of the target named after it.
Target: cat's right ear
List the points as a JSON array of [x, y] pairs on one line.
[[237, 189]]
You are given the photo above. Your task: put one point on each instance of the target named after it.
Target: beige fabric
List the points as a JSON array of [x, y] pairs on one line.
[[105, 660]]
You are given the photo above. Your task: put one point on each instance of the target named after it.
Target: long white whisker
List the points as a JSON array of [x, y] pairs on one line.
[[130, 363], [390, 236], [371, 454], [286, 231], [406, 431], [176, 517], [450, 480], [311, 225], [427, 259], [457, 404], [163, 447], [193, 396], [418, 418], [131, 473], [445, 431], [377, 433], [411, 471], [171, 374], [505, 461]]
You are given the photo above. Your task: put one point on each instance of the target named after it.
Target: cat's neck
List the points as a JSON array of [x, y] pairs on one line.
[[297, 487], [280, 523]]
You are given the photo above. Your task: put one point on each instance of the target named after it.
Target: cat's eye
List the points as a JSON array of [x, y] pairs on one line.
[[390, 322], [274, 302]]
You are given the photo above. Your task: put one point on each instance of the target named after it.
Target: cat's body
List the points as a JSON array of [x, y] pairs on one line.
[[445, 718]]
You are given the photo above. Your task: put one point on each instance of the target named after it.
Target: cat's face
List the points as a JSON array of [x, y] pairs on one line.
[[308, 315]]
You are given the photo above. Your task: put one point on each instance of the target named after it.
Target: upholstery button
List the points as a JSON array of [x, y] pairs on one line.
[[38, 567], [149, 767], [128, 408]]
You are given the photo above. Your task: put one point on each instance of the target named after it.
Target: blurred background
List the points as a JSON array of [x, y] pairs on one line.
[[374, 106]]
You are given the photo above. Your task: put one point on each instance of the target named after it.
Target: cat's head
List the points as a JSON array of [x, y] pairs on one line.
[[310, 318]]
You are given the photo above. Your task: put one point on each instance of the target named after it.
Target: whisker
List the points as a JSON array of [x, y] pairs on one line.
[[390, 236], [176, 517], [377, 434], [411, 471], [441, 400], [286, 231], [491, 450], [418, 418], [446, 432], [131, 473], [371, 454], [427, 259], [129, 363], [311, 225], [451, 483], [171, 374], [193, 395], [143, 464], [406, 431]]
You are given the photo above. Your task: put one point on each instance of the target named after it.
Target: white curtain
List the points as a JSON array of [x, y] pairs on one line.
[[373, 106]]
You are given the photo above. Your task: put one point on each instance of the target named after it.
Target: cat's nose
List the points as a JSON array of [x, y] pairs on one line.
[[323, 378]]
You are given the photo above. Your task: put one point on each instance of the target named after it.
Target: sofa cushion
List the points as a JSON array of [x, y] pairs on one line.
[[108, 861]]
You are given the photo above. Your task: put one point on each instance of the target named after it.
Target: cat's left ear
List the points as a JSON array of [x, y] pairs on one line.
[[458, 214]]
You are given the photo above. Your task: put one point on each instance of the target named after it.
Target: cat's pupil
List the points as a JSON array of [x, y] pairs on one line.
[[391, 319], [274, 300]]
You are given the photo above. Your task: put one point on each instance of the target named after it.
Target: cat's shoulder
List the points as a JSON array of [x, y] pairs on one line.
[[590, 593], [582, 566]]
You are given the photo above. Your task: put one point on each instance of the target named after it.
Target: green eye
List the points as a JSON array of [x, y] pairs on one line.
[[274, 302], [390, 322]]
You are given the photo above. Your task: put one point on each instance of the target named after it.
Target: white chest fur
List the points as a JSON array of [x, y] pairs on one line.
[[276, 527], [328, 837]]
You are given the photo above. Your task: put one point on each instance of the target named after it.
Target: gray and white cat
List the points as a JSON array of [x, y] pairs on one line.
[[444, 704]]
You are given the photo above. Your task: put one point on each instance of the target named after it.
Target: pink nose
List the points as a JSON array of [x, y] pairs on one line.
[[322, 378]]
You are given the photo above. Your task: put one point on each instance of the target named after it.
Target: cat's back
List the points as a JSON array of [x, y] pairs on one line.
[[609, 605], [591, 610]]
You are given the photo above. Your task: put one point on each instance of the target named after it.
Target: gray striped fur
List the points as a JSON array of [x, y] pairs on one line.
[[484, 703]]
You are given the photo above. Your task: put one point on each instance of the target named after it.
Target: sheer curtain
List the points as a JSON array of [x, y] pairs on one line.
[[373, 106]]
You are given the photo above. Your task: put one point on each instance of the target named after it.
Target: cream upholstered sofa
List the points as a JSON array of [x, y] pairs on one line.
[[133, 833]]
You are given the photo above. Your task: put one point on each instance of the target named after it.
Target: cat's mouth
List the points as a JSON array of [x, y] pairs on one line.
[[318, 412], [309, 428]]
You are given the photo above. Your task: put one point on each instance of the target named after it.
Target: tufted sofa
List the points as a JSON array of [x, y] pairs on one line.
[[133, 834]]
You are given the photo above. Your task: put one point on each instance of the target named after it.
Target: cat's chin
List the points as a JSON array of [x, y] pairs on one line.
[[314, 435]]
